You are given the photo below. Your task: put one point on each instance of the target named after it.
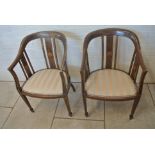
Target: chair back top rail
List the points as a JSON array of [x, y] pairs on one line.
[[109, 40], [48, 44]]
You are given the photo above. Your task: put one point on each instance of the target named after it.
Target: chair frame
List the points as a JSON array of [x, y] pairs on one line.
[[23, 60], [136, 63]]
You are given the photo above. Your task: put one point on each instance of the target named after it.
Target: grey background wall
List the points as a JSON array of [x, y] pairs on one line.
[[11, 36]]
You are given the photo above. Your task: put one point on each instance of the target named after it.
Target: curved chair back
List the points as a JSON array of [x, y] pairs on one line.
[[109, 43], [49, 47]]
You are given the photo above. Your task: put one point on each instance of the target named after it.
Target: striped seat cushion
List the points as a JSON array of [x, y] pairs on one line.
[[111, 84], [45, 82]]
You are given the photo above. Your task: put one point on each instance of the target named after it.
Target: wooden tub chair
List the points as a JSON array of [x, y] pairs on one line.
[[53, 81], [109, 83]]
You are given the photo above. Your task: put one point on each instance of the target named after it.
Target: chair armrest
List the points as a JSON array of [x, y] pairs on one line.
[[64, 68], [84, 69], [142, 77], [12, 71], [24, 62], [143, 74], [139, 63], [15, 62], [17, 83], [63, 80]]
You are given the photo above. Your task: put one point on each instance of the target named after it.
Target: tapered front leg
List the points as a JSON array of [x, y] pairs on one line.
[[85, 106], [27, 102], [73, 87], [67, 105], [135, 104]]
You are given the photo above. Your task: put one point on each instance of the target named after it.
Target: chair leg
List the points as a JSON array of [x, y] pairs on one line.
[[27, 102], [135, 104], [85, 106], [67, 105], [73, 87]]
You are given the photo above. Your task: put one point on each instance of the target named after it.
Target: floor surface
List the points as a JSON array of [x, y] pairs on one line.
[[52, 113]]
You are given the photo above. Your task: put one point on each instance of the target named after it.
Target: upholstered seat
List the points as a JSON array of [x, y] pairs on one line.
[[111, 84], [45, 82]]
